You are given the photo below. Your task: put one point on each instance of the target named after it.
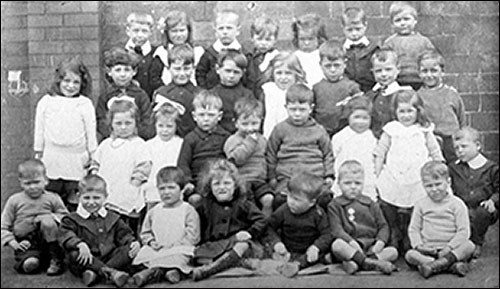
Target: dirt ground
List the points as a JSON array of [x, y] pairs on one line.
[[484, 274]]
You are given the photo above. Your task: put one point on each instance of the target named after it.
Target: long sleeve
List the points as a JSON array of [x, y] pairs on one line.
[[274, 223], [383, 233], [192, 229], [415, 227], [59, 210], [39, 141], [68, 239], [240, 149], [433, 147], [7, 222], [462, 226], [156, 71], [89, 118], [383, 146], [325, 239], [334, 213], [147, 235], [185, 158], [145, 127], [103, 129], [257, 218], [326, 148], [273, 146], [142, 171], [123, 234]]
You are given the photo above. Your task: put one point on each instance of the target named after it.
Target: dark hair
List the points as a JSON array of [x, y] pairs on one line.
[[173, 19], [431, 54], [171, 174], [353, 15], [183, 52], [359, 102], [299, 92], [331, 50], [92, 183], [264, 25], [309, 22], [31, 168], [231, 54], [247, 106], [306, 183], [75, 65], [410, 96], [384, 54], [120, 56], [120, 106]]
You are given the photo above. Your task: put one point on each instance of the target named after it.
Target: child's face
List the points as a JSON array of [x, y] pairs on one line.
[[264, 42], [223, 188], [406, 114], [139, 33], [404, 23], [299, 112], [230, 74], [351, 185], [123, 124], [122, 74], [333, 70], [178, 34], [170, 193], [354, 31], [436, 189], [181, 72], [298, 202], [34, 185], [248, 124], [165, 127], [92, 200], [284, 77], [431, 73], [207, 118], [385, 72], [70, 85], [308, 42], [466, 148], [360, 120], [227, 29]]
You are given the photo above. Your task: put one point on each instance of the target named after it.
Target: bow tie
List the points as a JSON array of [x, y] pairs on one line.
[[359, 45]]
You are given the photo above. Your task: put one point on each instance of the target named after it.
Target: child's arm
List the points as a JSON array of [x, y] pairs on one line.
[[326, 237], [380, 152], [147, 235], [103, 129], [123, 234], [145, 127], [273, 146], [326, 147], [239, 149], [186, 157], [337, 227], [382, 228], [90, 128], [433, 147], [202, 70], [415, 227], [156, 71], [191, 229], [141, 173], [256, 218], [59, 210], [7, 222]]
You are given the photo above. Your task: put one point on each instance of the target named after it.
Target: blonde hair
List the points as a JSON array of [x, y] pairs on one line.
[[353, 15], [288, 59], [436, 170], [227, 14], [31, 168], [122, 106], [140, 18], [352, 167], [465, 132], [173, 19], [263, 26], [207, 99], [92, 183], [398, 7], [216, 170]]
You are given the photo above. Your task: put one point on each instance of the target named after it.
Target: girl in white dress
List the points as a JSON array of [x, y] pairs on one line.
[[405, 145], [170, 232]]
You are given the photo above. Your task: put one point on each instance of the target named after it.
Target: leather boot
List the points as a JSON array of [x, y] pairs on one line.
[[434, 267], [228, 260], [385, 267], [459, 268], [119, 278], [147, 276]]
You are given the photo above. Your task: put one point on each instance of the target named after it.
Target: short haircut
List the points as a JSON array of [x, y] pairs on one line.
[[140, 18], [290, 61], [299, 92], [234, 55], [309, 22], [467, 132], [227, 13], [385, 54], [435, 170], [121, 106], [431, 54], [306, 183], [92, 183], [171, 174], [76, 66], [120, 56], [398, 7], [31, 168], [247, 106], [410, 96], [207, 99], [183, 52], [331, 50], [264, 26], [352, 167], [353, 16], [166, 110], [174, 18], [359, 102]]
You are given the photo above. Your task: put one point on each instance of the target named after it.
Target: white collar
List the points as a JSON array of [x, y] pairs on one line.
[[348, 42], [218, 46], [477, 162], [146, 47], [391, 88], [85, 214]]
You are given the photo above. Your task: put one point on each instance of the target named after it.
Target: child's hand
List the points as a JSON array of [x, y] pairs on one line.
[[194, 199], [443, 252], [243, 236], [188, 188], [134, 249], [378, 247], [84, 256], [153, 244], [22, 246], [312, 254], [329, 182], [488, 205], [427, 250], [280, 252]]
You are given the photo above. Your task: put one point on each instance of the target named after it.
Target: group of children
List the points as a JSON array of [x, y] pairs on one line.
[[195, 161]]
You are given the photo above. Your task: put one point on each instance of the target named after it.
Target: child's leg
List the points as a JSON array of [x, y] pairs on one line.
[[391, 215], [118, 258], [264, 194], [404, 217], [415, 258], [388, 254], [480, 220], [464, 251], [226, 261]]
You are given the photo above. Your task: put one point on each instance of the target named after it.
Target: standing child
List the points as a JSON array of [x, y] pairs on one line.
[[308, 34], [406, 144], [474, 179], [439, 227], [149, 69], [299, 229], [230, 67], [164, 148], [299, 142], [407, 43], [247, 149], [283, 72], [442, 102], [204, 143], [121, 66], [178, 30], [29, 222], [358, 225], [231, 225], [124, 162], [227, 28], [356, 142], [331, 92], [180, 91], [65, 129], [358, 48], [168, 245], [98, 243]]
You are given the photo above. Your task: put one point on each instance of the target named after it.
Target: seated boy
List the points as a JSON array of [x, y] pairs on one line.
[[439, 227], [30, 220], [96, 240]]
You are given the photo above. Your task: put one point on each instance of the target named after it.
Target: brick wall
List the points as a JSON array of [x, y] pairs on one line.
[[37, 35]]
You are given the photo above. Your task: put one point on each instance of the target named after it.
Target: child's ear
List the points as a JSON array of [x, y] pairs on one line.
[[135, 71], [220, 116], [108, 71]]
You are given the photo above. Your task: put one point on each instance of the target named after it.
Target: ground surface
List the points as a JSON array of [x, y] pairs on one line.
[[484, 274]]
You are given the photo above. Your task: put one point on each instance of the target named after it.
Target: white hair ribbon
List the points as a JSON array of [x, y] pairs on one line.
[[160, 100], [121, 97]]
